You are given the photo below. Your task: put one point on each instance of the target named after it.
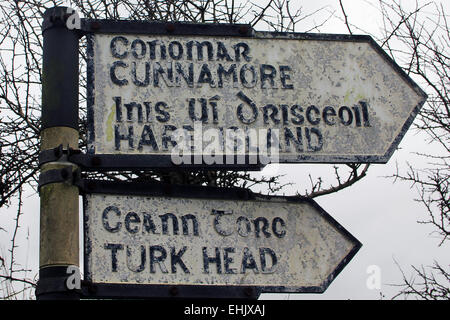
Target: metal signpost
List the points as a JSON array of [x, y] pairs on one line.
[[59, 240], [204, 96]]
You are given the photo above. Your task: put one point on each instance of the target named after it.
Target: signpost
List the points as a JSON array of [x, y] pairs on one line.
[[175, 241], [309, 97], [208, 96]]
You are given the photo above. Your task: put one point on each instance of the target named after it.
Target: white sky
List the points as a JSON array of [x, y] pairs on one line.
[[379, 213]]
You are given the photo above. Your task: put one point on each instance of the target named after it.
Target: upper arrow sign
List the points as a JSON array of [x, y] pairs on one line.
[[210, 91]]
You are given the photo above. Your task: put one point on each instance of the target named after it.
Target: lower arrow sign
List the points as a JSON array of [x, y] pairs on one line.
[[201, 236]]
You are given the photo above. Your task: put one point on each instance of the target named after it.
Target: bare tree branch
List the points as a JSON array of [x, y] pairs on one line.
[[353, 177], [345, 17], [20, 97]]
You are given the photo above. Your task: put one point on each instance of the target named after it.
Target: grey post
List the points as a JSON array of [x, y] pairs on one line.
[[59, 230]]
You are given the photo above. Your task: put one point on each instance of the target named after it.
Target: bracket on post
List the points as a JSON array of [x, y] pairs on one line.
[[66, 175], [57, 154]]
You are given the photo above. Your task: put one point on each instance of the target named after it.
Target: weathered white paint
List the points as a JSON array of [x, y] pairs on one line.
[[322, 73], [308, 244]]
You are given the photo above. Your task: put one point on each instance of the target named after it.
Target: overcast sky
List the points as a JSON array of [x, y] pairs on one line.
[[381, 214]]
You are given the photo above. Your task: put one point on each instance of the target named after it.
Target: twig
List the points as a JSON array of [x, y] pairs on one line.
[[345, 17]]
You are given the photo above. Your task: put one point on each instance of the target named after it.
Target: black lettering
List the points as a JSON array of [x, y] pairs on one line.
[[219, 214], [227, 260], [163, 115], [297, 141], [166, 76], [285, 76], [285, 113], [268, 72], [143, 50], [199, 46], [243, 77], [345, 110], [184, 223], [112, 73], [245, 230], [179, 51], [143, 255], [189, 78], [152, 46], [365, 113], [131, 218], [114, 248], [114, 50], [175, 258], [167, 138], [273, 114], [278, 233], [147, 138], [204, 106], [205, 76], [222, 72], [105, 219], [148, 111], [311, 146], [118, 137], [244, 52], [264, 228], [188, 138], [148, 224], [309, 116], [222, 52], [328, 113], [130, 106], [262, 255], [213, 104], [299, 119], [165, 223], [215, 259], [138, 82], [158, 259], [357, 116], [248, 261], [118, 101], [162, 48], [250, 103], [272, 139]]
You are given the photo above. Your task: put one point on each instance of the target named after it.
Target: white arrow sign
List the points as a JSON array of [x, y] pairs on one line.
[[211, 237], [292, 97]]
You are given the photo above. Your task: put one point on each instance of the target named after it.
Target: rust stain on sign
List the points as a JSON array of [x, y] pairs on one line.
[[275, 243], [317, 99]]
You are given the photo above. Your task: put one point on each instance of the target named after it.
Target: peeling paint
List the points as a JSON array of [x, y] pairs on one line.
[[109, 125]]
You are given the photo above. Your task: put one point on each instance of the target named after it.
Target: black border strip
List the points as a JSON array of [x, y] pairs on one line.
[[165, 28], [90, 89], [105, 290], [114, 162], [88, 186], [144, 291]]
